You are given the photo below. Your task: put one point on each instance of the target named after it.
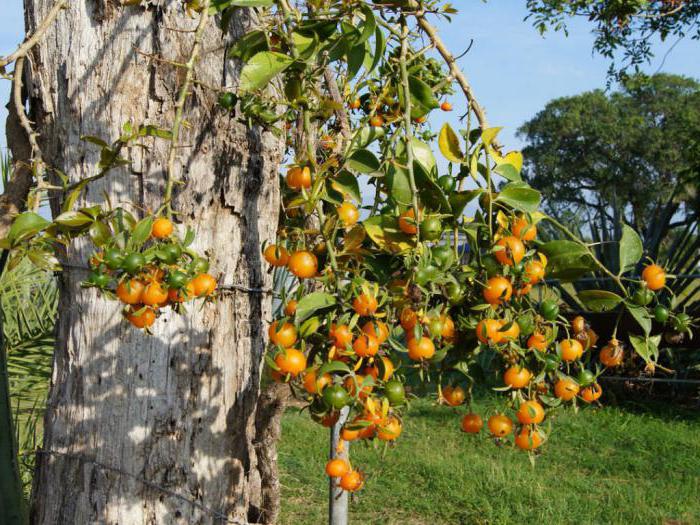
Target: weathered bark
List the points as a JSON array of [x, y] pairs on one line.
[[268, 424], [154, 429]]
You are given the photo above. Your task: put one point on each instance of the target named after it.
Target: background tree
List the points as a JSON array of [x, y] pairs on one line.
[[627, 156], [138, 428], [625, 29]]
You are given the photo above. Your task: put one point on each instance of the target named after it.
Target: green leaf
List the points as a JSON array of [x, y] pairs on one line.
[[366, 135], [631, 249], [460, 199], [345, 182], [26, 225], [356, 57], [141, 233], [311, 303], [422, 98], [370, 25], [248, 45], [99, 233], [429, 190], [333, 366], [384, 231], [520, 196], [262, 68], [423, 155], [379, 48], [73, 219], [309, 327], [567, 260], [363, 161], [398, 185], [646, 347], [448, 141], [599, 300], [508, 171], [641, 315]]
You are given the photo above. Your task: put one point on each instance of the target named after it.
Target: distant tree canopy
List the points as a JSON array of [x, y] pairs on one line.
[[631, 155], [625, 29]]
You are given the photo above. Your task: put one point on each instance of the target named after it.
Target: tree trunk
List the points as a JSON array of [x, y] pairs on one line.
[[154, 429]]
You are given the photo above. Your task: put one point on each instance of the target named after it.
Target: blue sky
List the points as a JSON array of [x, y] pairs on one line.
[[514, 71]]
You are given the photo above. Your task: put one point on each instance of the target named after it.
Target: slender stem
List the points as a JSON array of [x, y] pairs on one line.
[[408, 125], [180, 105], [598, 264], [455, 71], [30, 42]]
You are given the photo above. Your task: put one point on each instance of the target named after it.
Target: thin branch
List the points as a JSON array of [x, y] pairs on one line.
[[340, 113], [408, 126], [455, 71], [180, 104], [31, 41]]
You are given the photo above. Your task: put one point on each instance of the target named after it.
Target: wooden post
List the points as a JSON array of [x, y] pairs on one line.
[[337, 497]]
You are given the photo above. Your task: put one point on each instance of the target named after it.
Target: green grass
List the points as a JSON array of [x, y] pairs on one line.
[[640, 464]]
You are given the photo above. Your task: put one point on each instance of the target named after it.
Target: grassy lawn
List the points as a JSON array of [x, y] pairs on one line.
[[640, 464]]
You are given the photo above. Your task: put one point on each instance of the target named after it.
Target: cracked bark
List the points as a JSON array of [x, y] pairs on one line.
[[176, 409]]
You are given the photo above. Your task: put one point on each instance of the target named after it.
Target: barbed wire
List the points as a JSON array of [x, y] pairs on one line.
[[80, 457]]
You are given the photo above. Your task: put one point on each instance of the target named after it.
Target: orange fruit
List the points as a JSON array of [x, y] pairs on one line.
[[446, 106], [154, 294], [571, 350], [523, 290], [186, 293], [407, 223], [366, 345], [355, 104], [376, 121], [512, 252], [314, 384], [591, 393], [374, 370], [376, 329], [341, 335], [487, 331], [472, 423], [498, 290], [534, 272], [337, 467], [349, 385], [578, 324], [655, 277], [284, 336], [448, 328], [365, 304], [408, 319], [453, 396], [517, 377], [129, 292], [530, 412], [500, 425], [351, 481], [298, 178], [419, 349], [204, 285], [390, 430], [162, 228], [537, 341], [276, 255], [290, 308], [291, 361], [512, 333], [523, 230], [612, 354], [348, 214], [528, 439], [566, 389], [348, 434], [143, 319], [303, 264]]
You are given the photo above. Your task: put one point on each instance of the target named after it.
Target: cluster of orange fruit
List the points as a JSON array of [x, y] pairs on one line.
[[146, 281]]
